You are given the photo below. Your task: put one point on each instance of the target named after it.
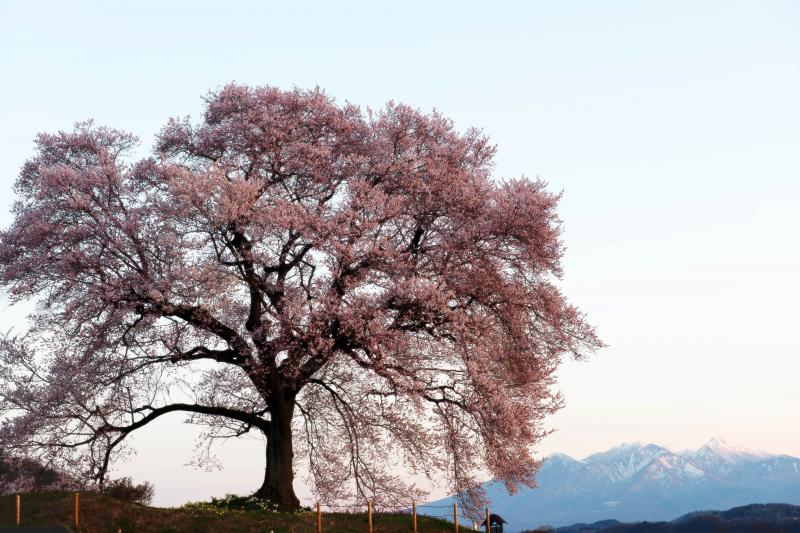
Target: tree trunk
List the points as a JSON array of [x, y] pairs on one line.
[[279, 475]]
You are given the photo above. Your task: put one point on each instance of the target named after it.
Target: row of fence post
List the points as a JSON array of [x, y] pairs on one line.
[[319, 515], [77, 506], [413, 517]]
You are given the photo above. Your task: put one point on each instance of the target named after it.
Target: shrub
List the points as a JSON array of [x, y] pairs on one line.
[[126, 490], [233, 502]]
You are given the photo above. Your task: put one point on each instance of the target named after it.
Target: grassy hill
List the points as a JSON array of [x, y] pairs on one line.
[[102, 514]]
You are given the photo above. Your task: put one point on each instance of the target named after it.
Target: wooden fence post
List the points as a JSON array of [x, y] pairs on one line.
[[455, 516], [319, 518], [488, 527], [76, 511], [18, 509], [414, 511], [369, 513]]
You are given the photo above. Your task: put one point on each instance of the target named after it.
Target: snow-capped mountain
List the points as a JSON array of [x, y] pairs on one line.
[[718, 454], [640, 481]]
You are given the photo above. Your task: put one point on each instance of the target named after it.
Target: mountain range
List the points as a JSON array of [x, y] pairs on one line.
[[636, 482]]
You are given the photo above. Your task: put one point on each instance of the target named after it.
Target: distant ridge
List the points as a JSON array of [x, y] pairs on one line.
[[755, 517], [637, 482]]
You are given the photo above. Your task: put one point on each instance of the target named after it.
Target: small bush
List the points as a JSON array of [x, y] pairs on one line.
[[233, 502], [126, 490]]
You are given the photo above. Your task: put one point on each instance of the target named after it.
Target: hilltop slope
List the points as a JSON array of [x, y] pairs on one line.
[[101, 514]]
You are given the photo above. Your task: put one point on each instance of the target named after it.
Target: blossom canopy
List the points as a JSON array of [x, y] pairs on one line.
[[345, 283]]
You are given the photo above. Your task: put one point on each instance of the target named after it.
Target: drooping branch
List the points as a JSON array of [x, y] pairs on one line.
[[250, 420]]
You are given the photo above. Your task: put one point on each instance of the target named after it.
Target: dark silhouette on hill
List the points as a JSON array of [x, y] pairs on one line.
[[26, 475]]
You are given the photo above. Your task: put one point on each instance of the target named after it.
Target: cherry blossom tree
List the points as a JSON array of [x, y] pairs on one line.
[[354, 286]]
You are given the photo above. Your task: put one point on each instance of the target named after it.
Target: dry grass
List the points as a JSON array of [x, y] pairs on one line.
[[102, 514]]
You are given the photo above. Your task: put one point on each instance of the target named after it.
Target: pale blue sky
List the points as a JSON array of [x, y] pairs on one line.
[[673, 129]]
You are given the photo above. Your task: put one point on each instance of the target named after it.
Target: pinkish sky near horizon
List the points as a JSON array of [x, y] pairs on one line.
[[673, 130]]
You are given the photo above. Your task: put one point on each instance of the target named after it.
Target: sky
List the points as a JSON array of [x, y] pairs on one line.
[[672, 128]]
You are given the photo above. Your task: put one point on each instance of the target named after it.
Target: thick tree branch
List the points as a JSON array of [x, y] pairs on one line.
[[153, 413]]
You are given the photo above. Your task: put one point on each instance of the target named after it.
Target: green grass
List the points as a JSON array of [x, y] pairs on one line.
[[102, 514]]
